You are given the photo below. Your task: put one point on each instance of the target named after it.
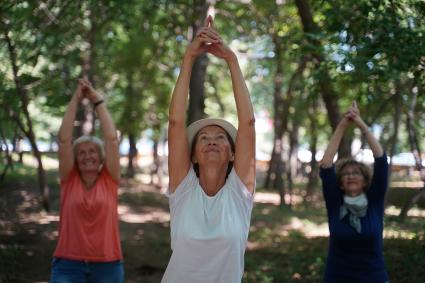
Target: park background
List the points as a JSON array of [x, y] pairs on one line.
[[304, 61]]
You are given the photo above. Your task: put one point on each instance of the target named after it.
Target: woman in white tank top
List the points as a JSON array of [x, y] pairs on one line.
[[212, 177]]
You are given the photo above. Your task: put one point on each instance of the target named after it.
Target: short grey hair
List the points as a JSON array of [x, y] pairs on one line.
[[95, 140]]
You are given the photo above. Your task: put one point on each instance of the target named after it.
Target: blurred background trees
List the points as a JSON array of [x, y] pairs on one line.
[[304, 62]]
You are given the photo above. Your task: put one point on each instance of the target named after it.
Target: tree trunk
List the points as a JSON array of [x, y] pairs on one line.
[[278, 181], [26, 125], [197, 90], [414, 145], [396, 122], [85, 118], [411, 202], [8, 155], [272, 164], [132, 156], [328, 94], [292, 159], [276, 164], [292, 169], [155, 163], [16, 145], [197, 78], [314, 166]]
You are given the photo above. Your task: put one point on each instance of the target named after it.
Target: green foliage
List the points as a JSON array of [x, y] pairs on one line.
[[371, 50]]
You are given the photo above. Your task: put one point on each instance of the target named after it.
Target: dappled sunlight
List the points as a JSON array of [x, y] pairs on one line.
[[47, 219], [308, 228], [38, 218], [48, 162], [271, 198], [141, 183], [28, 201], [266, 211], [251, 245], [52, 235], [274, 198], [395, 233], [407, 184], [126, 214], [413, 212], [138, 235], [285, 241], [394, 229], [7, 231]]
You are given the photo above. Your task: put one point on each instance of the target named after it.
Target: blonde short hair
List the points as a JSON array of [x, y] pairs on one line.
[[364, 170]]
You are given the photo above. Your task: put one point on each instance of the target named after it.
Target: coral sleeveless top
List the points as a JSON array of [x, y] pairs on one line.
[[88, 226]]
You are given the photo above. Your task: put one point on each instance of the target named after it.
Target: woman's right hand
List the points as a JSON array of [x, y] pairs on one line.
[[353, 115], [204, 37], [78, 94]]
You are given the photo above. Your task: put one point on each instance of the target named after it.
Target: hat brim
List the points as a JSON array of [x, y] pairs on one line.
[[196, 126]]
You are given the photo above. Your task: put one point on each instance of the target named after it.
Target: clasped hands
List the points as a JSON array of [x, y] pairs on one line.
[[353, 115], [208, 40], [86, 90]]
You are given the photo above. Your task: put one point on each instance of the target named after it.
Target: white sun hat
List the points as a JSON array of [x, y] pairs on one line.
[[196, 126]]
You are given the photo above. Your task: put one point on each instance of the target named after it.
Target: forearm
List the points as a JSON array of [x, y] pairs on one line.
[[333, 145], [107, 125], [178, 104], [374, 144], [241, 93], [66, 128]]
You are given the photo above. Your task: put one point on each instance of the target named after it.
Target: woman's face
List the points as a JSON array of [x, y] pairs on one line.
[[352, 180], [212, 146], [88, 157]]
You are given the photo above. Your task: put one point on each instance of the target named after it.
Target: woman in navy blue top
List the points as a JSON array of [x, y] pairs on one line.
[[355, 206]]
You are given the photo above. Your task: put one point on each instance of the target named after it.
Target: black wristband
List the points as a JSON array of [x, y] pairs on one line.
[[97, 103]]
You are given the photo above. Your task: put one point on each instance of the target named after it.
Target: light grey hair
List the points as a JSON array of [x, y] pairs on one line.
[[95, 140]]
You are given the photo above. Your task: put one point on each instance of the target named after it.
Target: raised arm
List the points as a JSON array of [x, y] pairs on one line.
[[333, 145], [109, 133], [374, 145], [178, 147], [245, 140], [66, 155]]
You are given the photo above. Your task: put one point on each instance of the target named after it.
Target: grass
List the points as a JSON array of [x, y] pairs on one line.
[[285, 244], [282, 249]]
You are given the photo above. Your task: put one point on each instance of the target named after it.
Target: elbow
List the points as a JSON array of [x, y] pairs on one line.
[[111, 138], [325, 163], [64, 139], [250, 122], [173, 122]]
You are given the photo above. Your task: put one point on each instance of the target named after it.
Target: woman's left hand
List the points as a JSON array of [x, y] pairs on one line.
[[218, 47], [354, 115], [88, 90], [220, 50]]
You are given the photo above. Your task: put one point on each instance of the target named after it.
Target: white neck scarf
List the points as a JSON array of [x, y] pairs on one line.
[[355, 207]]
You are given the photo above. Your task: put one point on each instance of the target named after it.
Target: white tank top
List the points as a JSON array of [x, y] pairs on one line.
[[208, 234]]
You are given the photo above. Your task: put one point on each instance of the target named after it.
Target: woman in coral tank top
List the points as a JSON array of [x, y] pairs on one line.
[[88, 248]]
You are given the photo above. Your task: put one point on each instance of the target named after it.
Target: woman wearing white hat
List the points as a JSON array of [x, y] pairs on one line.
[[212, 177]]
